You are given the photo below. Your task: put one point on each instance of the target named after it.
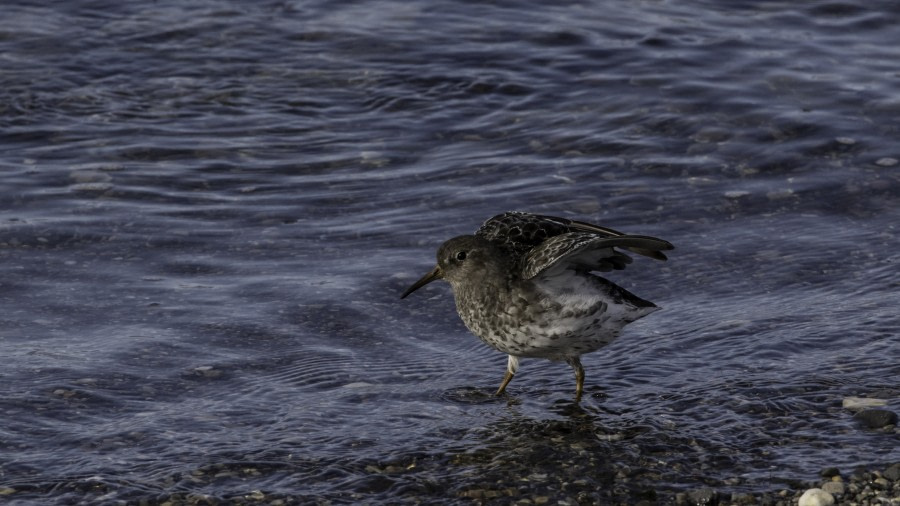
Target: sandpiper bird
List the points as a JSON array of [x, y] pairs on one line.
[[524, 285]]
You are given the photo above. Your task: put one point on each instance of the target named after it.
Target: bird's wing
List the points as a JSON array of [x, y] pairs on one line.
[[581, 226], [520, 232], [585, 251]]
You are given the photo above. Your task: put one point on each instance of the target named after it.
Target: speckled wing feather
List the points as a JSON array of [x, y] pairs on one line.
[[518, 232], [585, 252], [608, 232]]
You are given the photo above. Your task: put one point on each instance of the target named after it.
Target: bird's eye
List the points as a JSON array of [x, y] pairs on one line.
[[461, 256]]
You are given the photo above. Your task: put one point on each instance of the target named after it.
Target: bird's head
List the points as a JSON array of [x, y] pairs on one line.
[[466, 259]]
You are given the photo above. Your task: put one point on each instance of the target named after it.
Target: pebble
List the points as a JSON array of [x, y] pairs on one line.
[[780, 194], [702, 496], [857, 403], [89, 176], [876, 418], [833, 487], [358, 384], [886, 162], [207, 371], [816, 497], [91, 187]]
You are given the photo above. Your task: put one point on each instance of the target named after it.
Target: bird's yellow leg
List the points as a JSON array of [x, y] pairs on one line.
[[506, 380], [579, 377], [512, 365]]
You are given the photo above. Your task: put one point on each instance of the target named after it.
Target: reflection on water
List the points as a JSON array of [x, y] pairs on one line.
[[209, 212]]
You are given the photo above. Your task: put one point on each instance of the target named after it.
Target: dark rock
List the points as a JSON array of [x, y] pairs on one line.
[[737, 498], [766, 500], [893, 473], [861, 475], [829, 472], [702, 497], [876, 418]]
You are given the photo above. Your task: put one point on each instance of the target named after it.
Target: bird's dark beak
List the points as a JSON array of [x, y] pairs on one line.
[[435, 273]]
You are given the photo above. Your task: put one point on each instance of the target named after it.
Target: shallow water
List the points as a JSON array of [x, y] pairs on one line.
[[209, 210]]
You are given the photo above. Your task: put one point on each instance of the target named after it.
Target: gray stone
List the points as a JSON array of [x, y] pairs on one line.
[[702, 496], [893, 473], [833, 487]]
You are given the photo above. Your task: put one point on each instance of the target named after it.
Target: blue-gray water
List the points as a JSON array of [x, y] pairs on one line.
[[210, 208]]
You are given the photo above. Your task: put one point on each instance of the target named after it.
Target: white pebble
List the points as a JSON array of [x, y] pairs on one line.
[[857, 403], [91, 187], [846, 140], [886, 162], [816, 497], [358, 384], [736, 194], [208, 371], [564, 179]]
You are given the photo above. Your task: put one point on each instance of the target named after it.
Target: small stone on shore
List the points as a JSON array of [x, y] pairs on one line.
[[892, 473], [833, 487], [702, 496]]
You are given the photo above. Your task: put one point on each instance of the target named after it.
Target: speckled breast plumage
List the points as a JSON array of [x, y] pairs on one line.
[[531, 319]]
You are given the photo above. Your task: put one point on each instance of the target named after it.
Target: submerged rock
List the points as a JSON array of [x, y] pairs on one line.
[[876, 418], [829, 472], [702, 496]]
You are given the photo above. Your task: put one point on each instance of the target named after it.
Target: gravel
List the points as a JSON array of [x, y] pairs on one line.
[[863, 486]]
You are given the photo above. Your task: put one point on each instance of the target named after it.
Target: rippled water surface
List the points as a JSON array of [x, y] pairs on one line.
[[210, 209]]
